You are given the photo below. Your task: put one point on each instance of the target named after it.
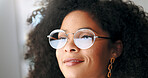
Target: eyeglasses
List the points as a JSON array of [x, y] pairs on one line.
[[83, 38]]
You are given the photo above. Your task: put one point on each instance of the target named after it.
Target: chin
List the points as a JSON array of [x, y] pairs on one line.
[[73, 73]]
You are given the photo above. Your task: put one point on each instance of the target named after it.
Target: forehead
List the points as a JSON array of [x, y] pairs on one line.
[[79, 19]]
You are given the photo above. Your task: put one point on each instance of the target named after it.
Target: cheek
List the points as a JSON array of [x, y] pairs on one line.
[[102, 49], [58, 55], [99, 54]]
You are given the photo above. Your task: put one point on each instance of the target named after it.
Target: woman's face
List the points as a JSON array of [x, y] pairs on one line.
[[78, 63]]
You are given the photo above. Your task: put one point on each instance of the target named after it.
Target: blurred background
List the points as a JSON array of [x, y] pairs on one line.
[[13, 31]]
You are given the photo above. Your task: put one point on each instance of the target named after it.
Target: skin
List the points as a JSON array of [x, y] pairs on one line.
[[96, 58]]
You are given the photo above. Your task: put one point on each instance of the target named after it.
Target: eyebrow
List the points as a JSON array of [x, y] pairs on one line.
[[88, 28], [85, 28]]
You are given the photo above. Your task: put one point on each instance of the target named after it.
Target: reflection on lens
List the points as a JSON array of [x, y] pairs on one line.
[[57, 39], [84, 38], [58, 43], [83, 43]]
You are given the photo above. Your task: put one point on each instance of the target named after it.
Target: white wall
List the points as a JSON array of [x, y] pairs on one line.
[[24, 9], [9, 55], [143, 3], [13, 28]]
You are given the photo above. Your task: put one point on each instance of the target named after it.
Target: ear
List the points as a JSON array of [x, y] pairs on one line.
[[117, 48]]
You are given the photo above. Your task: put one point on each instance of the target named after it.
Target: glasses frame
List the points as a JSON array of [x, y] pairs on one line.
[[57, 30]]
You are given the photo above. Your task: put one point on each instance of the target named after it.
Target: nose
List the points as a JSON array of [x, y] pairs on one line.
[[70, 46]]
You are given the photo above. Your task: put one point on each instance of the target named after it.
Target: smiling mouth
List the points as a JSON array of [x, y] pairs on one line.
[[72, 61]]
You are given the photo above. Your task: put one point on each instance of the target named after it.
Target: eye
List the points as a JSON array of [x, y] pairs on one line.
[[86, 36], [62, 38]]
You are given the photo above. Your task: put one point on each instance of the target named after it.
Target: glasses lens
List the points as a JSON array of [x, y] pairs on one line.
[[84, 38], [57, 39]]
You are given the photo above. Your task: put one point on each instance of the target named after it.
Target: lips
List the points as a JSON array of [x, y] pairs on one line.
[[72, 61]]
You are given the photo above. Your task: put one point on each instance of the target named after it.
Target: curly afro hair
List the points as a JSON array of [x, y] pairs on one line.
[[123, 20]]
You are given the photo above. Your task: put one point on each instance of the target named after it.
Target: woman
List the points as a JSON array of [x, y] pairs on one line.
[[89, 39]]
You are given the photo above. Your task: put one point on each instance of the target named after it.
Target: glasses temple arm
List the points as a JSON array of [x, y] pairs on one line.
[[102, 37], [51, 37]]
